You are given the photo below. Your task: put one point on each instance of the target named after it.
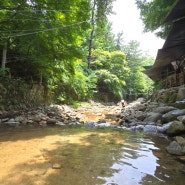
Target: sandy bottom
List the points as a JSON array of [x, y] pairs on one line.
[[50, 156]]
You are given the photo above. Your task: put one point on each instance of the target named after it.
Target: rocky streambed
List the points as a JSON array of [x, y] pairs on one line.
[[139, 116]]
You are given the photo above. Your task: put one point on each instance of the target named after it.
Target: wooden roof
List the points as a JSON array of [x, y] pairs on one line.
[[174, 46]]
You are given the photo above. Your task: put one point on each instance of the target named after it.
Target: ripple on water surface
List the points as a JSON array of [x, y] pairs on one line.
[[69, 155]]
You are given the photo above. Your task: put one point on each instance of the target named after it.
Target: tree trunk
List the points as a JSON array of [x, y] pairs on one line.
[[3, 65], [89, 57]]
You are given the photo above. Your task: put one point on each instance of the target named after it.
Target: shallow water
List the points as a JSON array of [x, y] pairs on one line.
[[79, 156]]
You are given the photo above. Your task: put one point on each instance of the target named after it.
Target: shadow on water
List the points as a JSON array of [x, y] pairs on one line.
[[68, 156]]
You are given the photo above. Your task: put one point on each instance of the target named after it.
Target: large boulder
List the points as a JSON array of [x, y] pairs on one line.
[[164, 109], [177, 147], [140, 115], [174, 148], [176, 128], [153, 117], [172, 115]]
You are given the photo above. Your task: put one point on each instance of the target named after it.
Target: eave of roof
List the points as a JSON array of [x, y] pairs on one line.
[[177, 12], [173, 48]]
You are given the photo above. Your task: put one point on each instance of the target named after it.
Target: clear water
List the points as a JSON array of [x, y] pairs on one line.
[[86, 157]]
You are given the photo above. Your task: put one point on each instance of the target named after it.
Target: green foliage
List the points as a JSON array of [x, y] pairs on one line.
[[44, 41], [68, 87], [109, 85], [136, 82], [153, 14], [4, 72], [51, 32], [48, 43], [111, 70]]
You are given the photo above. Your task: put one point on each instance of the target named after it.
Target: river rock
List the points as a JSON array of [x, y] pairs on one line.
[[139, 128], [153, 117], [172, 115], [182, 119], [164, 109], [51, 122], [176, 128], [12, 123], [42, 123], [174, 148], [140, 115], [152, 129], [164, 128], [177, 146], [180, 140], [91, 124], [103, 125], [181, 94], [56, 166]]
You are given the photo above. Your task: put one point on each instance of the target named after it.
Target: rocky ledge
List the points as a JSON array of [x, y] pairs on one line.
[[157, 118]]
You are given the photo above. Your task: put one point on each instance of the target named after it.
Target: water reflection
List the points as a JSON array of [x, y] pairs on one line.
[[137, 161], [88, 157], [146, 162]]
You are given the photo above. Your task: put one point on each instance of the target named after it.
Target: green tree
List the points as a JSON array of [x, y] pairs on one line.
[[153, 14], [111, 69], [99, 11], [43, 41], [51, 29], [137, 82]]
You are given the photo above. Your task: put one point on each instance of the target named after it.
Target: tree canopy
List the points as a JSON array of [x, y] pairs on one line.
[[69, 48], [153, 14]]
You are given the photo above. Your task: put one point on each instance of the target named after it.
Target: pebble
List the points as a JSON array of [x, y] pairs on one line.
[[56, 166]]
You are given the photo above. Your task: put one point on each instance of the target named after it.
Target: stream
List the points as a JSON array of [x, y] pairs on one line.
[[80, 156]]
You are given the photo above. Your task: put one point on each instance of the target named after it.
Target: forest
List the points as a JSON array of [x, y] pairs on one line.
[[68, 48]]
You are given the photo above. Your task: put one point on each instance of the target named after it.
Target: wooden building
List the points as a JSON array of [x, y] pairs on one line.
[[169, 66]]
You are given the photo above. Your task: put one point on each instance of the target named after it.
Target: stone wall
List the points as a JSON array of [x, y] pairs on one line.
[[20, 95], [170, 95]]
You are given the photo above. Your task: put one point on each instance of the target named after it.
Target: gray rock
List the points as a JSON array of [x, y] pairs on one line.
[[150, 129], [182, 119], [174, 148], [140, 115], [37, 118], [164, 109], [102, 125], [153, 117], [91, 124], [12, 123], [139, 128], [176, 128], [181, 94], [60, 124], [20, 119], [42, 123], [141, 107], [76, 123], [172, 115], [183, 150], [51, 121], [132, 124], [164, 128], [180, 140], [141, 100]]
